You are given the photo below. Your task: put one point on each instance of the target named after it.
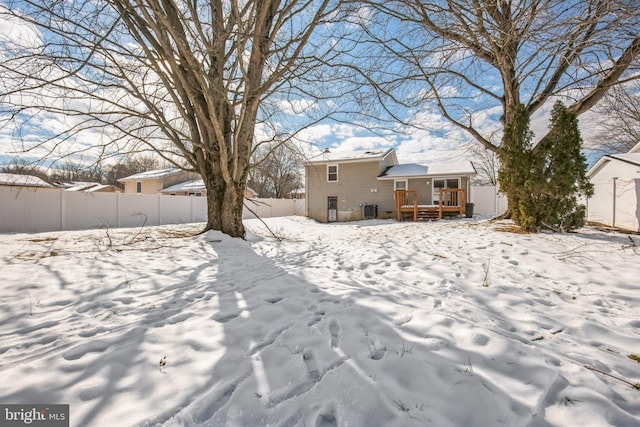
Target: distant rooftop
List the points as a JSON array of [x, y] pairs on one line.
[[77, 185], [191, 186], [155, 174], [344, 155], [23, 180]]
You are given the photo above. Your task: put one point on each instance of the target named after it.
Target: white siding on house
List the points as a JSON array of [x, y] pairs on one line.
[[357, 185], [623, 210]]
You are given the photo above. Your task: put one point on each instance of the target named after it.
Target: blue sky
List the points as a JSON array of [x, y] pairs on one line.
[[438, 141]]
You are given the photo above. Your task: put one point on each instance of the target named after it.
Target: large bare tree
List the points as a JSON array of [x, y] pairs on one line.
[[482, 59], [478, 57], [618, 119], [186, 79], [277, 170]]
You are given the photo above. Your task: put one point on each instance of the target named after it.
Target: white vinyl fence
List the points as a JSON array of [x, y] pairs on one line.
[[25, 210], [488, 200], [616, 204]]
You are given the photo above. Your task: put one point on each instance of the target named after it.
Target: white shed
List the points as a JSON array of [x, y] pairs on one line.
[[616, 198]]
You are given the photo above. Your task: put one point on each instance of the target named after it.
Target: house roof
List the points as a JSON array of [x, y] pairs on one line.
[[411, 170], [77, 186], [631, 158], [352, 156], [154, 174], [18, 180], [101, 187], [636, 148], [192, 185]]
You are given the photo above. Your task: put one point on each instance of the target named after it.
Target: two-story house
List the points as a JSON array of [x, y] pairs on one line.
[[349, 186]]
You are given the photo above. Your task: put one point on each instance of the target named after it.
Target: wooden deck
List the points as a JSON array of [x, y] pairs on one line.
[[452, 202]]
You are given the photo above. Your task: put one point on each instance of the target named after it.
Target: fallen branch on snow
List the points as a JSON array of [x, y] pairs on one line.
[[591, 368]]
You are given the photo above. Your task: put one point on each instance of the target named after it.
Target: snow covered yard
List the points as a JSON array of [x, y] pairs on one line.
[[374, 323]]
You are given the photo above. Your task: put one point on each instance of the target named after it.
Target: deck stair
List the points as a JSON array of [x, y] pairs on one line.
[[427, 215]]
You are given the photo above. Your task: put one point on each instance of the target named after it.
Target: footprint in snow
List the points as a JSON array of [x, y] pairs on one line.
[[326, 420], [224, 318], [377, 351], [480, 339], [311, 365], [124, 300], [334, 329], [318, 314]]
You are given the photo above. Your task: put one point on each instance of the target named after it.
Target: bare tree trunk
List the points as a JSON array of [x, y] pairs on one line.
[[215, 196], [186, 80], [231, 211]]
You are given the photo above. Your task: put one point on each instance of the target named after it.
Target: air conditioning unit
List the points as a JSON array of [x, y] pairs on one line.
[[370, 211]]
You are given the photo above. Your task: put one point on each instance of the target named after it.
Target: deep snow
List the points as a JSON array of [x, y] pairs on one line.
[[376, 323]]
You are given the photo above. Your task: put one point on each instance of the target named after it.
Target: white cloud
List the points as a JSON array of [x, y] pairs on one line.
[[296, 107], [14, 30], [361, 143]]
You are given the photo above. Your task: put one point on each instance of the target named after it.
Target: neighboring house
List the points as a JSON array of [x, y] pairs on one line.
[[372, 184], [152, 182], [616, 184], [23, 181], [196, 187]]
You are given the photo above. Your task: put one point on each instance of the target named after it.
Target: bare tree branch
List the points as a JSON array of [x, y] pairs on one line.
[[189, 80]]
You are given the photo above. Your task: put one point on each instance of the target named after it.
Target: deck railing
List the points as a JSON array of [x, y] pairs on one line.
[[451, 200], [406, 201]]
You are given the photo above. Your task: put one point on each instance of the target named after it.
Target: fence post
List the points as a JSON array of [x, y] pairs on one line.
[[613, 219], [63, 210]]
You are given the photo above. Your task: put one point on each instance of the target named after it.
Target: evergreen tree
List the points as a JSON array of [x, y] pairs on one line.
[[562, 173], [515, 155], [543, 183]]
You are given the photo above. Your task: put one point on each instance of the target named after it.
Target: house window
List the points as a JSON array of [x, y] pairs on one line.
[[332, 173], [439, 184], [138, 187], [400, 184]]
